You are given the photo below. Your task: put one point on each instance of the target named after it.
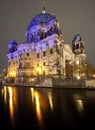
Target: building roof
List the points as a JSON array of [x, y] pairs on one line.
[[41, 18]]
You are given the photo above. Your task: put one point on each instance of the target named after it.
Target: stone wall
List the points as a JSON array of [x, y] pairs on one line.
[[90, 83]]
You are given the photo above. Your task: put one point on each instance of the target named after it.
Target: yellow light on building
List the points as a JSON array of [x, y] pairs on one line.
[[78, 77], [77, 62], [39, 70], [13, 74]]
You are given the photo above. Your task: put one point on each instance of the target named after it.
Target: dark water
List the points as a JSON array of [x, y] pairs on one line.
[[45, 109]]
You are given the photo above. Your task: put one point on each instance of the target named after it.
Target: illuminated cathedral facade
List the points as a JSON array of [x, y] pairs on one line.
[[44, 53]]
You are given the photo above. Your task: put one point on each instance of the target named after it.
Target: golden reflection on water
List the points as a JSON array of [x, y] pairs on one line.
[[11, 106], [50, 100], [79, 103], [32, 94], [35, 97], [42, 101], [4, 93], [10, 99], [37, 104]]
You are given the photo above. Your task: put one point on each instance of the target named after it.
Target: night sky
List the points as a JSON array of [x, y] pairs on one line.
[[75, 16]]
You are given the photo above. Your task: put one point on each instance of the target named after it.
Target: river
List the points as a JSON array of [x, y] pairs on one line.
[[46, 108]]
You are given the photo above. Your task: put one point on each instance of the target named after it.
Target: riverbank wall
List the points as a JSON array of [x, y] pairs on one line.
[[49, 82], [68, 83]]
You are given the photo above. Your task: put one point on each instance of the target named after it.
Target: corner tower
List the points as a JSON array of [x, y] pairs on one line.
[[78, 48]]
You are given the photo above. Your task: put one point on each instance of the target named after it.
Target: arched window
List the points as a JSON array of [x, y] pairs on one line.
[[20, 66], [27, 64], [43, 72], [44, 53], [51, 51], [27, 54]]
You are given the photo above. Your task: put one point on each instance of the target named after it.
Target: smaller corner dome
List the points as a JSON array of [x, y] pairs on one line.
[[41, 17], [13, 42], [77, 37]]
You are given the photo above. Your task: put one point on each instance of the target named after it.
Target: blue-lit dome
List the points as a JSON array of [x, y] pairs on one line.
[[13, 42], [77, 37], [41, 18], [12, 46]]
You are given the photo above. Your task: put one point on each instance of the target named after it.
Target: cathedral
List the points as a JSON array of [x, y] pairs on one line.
[[44, 52]]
